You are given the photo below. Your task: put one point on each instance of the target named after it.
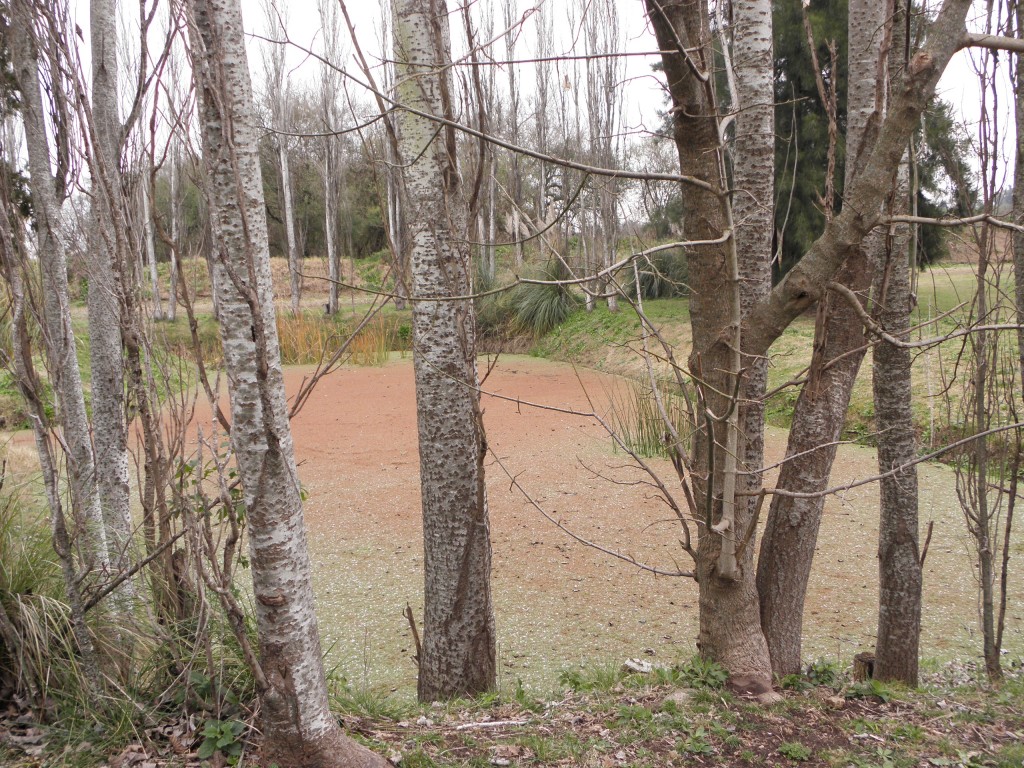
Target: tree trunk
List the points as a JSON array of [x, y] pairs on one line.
[[298, 727], [1018, 193], [333, 261], [175, 249], [753, 163], [791, 532], [730, 630], [730, 621], [899, 590], [294, 267], [110, 431], [14, 264], [899, 561], [458, 654], [59, 337]]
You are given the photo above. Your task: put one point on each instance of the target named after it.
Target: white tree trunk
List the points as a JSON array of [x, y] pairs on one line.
[[14, 262], [148, 236], [294, 268], [458, 654], [330, 221], [59, 337], [172, 292], [109, 262], [297, 724]]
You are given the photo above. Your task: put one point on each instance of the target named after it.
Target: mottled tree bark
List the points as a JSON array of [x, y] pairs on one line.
[[458, 654], [59, 349], [298, 727], [110, 431], [899, 589], [899, 561]]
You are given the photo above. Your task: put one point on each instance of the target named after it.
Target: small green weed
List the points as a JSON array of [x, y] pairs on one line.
[[597, 678], [223, 736], [525, 700], [696, 743], [794, 750], [824, 672]]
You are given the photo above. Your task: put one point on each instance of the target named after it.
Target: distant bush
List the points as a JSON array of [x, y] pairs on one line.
[[663, 275], [528, 308]]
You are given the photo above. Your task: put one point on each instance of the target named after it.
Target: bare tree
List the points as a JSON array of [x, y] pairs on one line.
[[297, 725], [47, 189], [731, 630], [458, 653], [791, 532], [515, 182], [279, 101], [987, 470], [605, 74], [332, 166]]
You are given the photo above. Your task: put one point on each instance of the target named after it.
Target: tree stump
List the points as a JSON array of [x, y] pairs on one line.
[[863, 666]]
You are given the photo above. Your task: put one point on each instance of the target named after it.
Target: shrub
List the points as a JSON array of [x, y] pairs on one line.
[[527, 308], [663, 275], [32, 598]]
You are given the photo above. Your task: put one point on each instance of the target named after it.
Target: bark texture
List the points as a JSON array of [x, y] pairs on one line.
[[297, 724], [753, 163], [899, 561], [59, 343], [458, 653], [791, 532], [110, 431], [899, 588]]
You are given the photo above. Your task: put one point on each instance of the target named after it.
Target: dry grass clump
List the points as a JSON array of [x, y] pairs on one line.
[[372, 344], [305, 338]]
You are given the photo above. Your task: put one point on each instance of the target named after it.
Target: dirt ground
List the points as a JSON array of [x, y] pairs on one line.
[[559, 603]]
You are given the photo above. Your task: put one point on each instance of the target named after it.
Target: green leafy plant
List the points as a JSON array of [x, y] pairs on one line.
[[525, 700], [701, 673], [696, 743], [794, 750], [224, 736], [824, 672], [539, 308]]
